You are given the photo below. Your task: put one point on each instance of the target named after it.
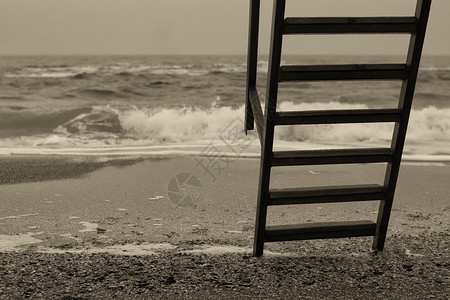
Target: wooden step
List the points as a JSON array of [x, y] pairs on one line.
[[343, 25], [334, 156], [343, 72], [337, 116], [327, 194], [319, 231]]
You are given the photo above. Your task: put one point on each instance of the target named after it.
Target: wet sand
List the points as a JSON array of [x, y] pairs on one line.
[[122, 207]]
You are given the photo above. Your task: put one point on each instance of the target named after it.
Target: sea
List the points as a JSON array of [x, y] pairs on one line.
[[189, 105]]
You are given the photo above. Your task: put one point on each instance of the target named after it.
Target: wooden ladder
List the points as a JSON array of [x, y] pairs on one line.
[[265, 123]]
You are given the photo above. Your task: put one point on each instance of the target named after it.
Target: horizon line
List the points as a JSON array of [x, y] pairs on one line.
[[202, 54]]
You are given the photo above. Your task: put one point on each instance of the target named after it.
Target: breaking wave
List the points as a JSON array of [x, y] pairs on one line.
[[182, 127]]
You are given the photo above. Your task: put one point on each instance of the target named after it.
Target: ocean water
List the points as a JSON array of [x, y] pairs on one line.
[[162, 105]]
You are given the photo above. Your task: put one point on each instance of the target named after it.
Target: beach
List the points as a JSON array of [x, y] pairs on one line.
[[104, 228], [131, 177]]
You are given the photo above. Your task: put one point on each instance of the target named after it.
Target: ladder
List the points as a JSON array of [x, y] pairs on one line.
[[265, 123]]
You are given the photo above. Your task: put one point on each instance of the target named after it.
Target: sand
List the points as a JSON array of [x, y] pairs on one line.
[[113, 213]]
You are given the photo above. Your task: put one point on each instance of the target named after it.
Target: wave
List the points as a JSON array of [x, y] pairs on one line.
[[51, 71], [24, 124], [82, 76], [430, 124], [132, 91], [15, 107], [47, 66], [18, 98], [432, 96], [104, 93], [158, 82], [126, 69], [432, 76], [433, 69], [106, 126]]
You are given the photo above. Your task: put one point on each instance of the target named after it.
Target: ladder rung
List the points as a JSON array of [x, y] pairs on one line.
[[344, 72], [342, 25], [337, 116], [327, 194], [334, 156], [312, 231]]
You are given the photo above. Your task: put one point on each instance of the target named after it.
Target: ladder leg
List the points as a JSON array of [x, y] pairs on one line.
[[270, 109], [398, 140], [252, 60]]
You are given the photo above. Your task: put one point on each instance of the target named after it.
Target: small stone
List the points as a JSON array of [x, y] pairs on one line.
[[170, 280], [100, 230], [408, 267]]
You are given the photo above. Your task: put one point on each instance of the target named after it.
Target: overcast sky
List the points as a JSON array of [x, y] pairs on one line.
[[194, 27]]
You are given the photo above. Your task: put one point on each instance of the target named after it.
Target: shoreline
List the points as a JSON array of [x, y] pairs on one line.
[[23, 168]]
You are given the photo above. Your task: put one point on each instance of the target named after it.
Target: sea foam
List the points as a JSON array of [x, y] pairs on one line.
[[189, 129]]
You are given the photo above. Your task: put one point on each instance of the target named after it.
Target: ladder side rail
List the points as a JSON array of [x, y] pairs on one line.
[[399, 135], [257, 112], [252, 60], [270, 110]]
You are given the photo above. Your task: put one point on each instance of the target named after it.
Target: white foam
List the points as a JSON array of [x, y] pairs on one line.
[[51, 72], [430, 124], [189, 130], [434, 69], [426, 158]]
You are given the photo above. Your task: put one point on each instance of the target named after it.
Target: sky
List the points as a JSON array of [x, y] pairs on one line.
[[120, 27]]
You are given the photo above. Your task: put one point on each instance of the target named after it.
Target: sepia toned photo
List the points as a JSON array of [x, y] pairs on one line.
[[240, 149]]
